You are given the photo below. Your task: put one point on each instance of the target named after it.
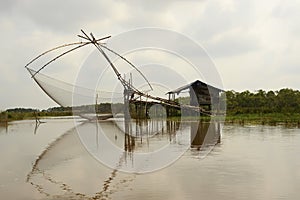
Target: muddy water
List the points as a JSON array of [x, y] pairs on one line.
[[50, 162]]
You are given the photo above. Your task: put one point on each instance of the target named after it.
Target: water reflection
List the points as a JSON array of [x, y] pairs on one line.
[[144, 135], [3, 122], [205, 133], [65, 164], [3, 127], [253, 162], [202, 134]]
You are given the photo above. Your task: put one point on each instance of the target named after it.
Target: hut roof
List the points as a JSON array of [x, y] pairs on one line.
[[193, 84]]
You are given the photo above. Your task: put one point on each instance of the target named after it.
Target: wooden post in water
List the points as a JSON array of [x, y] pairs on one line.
[[219, 132], [126, 118], [129, 140]]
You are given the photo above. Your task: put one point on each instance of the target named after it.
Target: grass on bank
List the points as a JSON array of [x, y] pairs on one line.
[[265, 118], [262, 118], [12, 116]]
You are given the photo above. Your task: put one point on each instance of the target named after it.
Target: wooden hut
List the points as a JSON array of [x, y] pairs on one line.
[[200, 93]]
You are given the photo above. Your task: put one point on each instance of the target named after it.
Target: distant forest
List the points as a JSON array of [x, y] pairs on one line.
[[283, 101]]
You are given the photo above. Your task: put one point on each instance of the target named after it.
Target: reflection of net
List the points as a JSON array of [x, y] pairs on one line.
[[64, 165], [66, 94]]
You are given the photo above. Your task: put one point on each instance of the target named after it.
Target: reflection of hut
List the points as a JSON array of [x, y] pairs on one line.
[[201, 94], [203, 133]]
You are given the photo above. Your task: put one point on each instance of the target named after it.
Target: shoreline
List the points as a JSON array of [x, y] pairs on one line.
[[272, 119]]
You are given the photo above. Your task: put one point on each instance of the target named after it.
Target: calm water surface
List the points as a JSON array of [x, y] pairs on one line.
[[50, 162]]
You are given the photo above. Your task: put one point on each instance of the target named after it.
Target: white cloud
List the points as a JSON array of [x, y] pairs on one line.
[[234, 42]]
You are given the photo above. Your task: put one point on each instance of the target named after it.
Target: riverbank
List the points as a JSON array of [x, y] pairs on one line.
[[256, 119], [13, 116], [262, 118], [265, 118]]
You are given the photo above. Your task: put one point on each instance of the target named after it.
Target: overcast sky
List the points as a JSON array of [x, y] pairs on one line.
[[254, 44]]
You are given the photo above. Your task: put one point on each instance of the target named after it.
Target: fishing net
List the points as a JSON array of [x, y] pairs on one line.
[[67, 95]]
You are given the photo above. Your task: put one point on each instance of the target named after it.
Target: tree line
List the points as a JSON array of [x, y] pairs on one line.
[[283, 101], [246, 102]]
